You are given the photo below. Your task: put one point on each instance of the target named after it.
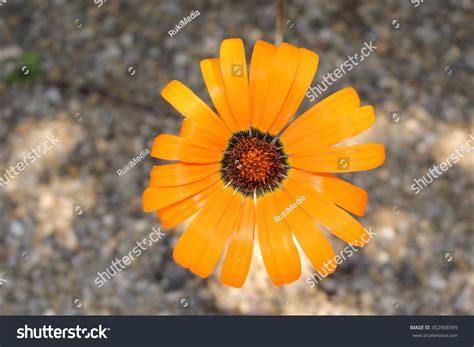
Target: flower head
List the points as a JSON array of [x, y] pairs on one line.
[[249, 171]]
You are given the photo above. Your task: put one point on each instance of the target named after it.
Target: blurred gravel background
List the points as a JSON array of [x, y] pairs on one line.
[[94, 79]]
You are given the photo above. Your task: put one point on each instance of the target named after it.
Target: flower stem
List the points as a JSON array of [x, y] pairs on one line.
[[280, 16]]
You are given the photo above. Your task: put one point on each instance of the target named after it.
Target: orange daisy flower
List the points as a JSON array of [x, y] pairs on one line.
[[247, 171]]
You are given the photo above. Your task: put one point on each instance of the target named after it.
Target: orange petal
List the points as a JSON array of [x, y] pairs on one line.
[[171, 147], [178, 212], [280, 78], [341, 159], [304, 76], [239, 254], [284, 248], [191, 106], [234, 74], [155, 198], [311, 239], [330, 129], [193, 131], [204, 240], [207, 218], [180, 173], [263, 233], [209, 248], [262, 54], [323, 211], [211, 72], [342, 193], [279, 252], [341, 102]]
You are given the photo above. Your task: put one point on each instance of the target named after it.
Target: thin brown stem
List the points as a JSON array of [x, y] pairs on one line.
[[280, 18], [87, 89]]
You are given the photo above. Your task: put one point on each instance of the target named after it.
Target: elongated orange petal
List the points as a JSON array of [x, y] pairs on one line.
[[191, 106], [239, 254], [304, 75], [210, 247], [263, 232], [311, 239], [178, 212], [325, 212], [193, 131], [341, 102], [211, 72], [341, 159], [171, 147], [330, 129], [283, 246], [155, 198], [342, 193], [234, 73], [202, 243], [262, 54], [180, 173], [279, 252], [280, 78], [206, 219]]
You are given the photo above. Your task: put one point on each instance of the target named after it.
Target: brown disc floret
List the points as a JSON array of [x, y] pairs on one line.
[[254, 161]]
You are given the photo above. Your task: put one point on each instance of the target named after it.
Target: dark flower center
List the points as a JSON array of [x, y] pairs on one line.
[[254, 162]]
